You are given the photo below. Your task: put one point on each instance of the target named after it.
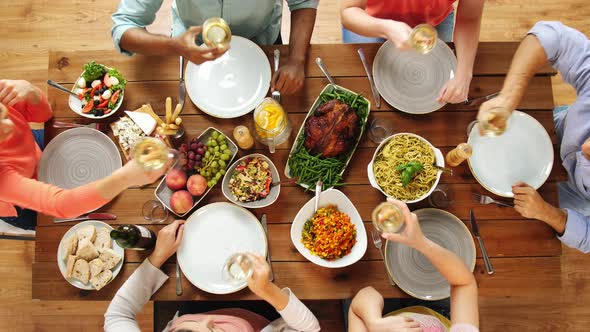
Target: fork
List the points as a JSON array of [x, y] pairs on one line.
[[483, 199], [96, 125], [276, 95], [378, 244]]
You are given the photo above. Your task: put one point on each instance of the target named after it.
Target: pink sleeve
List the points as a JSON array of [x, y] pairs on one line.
[[463, 327], [40, 112], [46, 198]]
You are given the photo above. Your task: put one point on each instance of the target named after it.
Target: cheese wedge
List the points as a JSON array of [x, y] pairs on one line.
[[143, 121]]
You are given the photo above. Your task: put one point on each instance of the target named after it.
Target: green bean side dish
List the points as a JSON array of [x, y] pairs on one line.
[[311, 168]]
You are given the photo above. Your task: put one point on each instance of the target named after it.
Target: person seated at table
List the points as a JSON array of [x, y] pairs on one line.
[[568, 50], [259, 21], [148, 278], [365, 312], [20, 151], [379, 20]]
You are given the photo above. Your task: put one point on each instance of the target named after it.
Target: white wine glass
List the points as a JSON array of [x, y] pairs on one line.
[[237, 268], [388, 218], [152, 153], [423, 38]]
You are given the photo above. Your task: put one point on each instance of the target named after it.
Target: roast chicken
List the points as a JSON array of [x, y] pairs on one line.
[[332, 129]]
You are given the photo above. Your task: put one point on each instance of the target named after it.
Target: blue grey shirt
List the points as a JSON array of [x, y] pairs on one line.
[[568, 50], [257, 20]]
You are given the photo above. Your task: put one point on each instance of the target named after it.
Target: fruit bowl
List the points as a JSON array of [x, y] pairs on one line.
[[164, 193]]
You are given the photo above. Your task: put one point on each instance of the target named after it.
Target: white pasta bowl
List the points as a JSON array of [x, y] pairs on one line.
[[439, 160], [331, 197]]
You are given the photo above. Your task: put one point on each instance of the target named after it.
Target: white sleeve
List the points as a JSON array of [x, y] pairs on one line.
[[297, 316], [131, 297]]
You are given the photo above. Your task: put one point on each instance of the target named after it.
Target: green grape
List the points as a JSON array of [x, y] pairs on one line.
[[221, 162], [216, 148], [217, 176], [224, 157], [213, 143], [223, 147], [222, 172], [215, 134], [226, 151], [217, 153]]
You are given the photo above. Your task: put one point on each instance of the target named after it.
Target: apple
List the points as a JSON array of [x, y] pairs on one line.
[[176, 179], [196, 185], [181, 202]]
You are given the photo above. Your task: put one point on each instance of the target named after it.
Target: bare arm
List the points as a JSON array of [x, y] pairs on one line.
[[140, 41], [466, 36], [355, 19]]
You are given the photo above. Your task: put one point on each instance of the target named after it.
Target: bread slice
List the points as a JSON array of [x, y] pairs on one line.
[[110, 258], [81, 271], [96, 267], [102, 279], [70, 245], [103, 239], [86, 232], [86, 250], [71, 260]]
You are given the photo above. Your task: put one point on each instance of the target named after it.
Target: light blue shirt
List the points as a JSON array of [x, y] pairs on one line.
[[257, 20], [568, 50]]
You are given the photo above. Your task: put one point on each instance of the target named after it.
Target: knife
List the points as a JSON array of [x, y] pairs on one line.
[[484, 253], [263, 222], [91, 216], [181, 87], [376, 95], [484, 98]]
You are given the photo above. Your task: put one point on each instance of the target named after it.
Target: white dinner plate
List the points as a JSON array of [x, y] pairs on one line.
[[331, 197], [413, 272], [60, 253], [410, 81], [523, 153], [232, 85], [78, 156], [212, 234]]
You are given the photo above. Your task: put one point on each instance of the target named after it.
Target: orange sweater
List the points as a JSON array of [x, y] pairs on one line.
[[19, 159]]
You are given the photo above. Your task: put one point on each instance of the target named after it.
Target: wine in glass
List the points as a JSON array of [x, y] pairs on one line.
[[152, 153], [423, 38], [388, 218], [237, 269]]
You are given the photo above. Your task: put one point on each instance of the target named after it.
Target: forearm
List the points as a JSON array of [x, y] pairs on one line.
[[366, 307], [529, 57], [138, 40], [302, 22], [275, 297], [358, 21], [466, 39], [111, 186], [554, 217], [447, 263]]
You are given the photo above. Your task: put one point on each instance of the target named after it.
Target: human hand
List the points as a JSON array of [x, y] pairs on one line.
[[528, 202], [167, 243], [399, 34], [455, 90], [394, 324], [6, 125], [14, 91], [289, 78], [259, 282], [412, 233], [185, 45], [495, 111], [135, 175]]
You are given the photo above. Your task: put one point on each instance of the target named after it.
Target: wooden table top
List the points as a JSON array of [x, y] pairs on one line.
[[524, 252]]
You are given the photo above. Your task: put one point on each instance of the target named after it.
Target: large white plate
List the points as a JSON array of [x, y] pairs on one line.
[[78, 156], [413, 272], [331, 197], [212, 234], [410, 81], [60, 253], [523, 153], [232, 85]]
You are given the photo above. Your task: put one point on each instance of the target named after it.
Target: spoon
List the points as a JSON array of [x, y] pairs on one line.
[[62, 88], [320, 64], [318, 191]]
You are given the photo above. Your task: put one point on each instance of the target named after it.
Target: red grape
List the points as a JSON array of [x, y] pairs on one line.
[[191, 155], [194, 146]]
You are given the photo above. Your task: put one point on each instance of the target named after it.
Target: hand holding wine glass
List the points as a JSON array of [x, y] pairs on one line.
[[412, 233]]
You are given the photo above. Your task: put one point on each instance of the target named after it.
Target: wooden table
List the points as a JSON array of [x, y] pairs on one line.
[[525, 253]]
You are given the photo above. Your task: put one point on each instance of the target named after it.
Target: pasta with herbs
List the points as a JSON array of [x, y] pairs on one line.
[[400, 150]]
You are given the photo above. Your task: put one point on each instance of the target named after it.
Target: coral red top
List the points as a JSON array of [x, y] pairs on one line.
[[411, 12], [19, 159]]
